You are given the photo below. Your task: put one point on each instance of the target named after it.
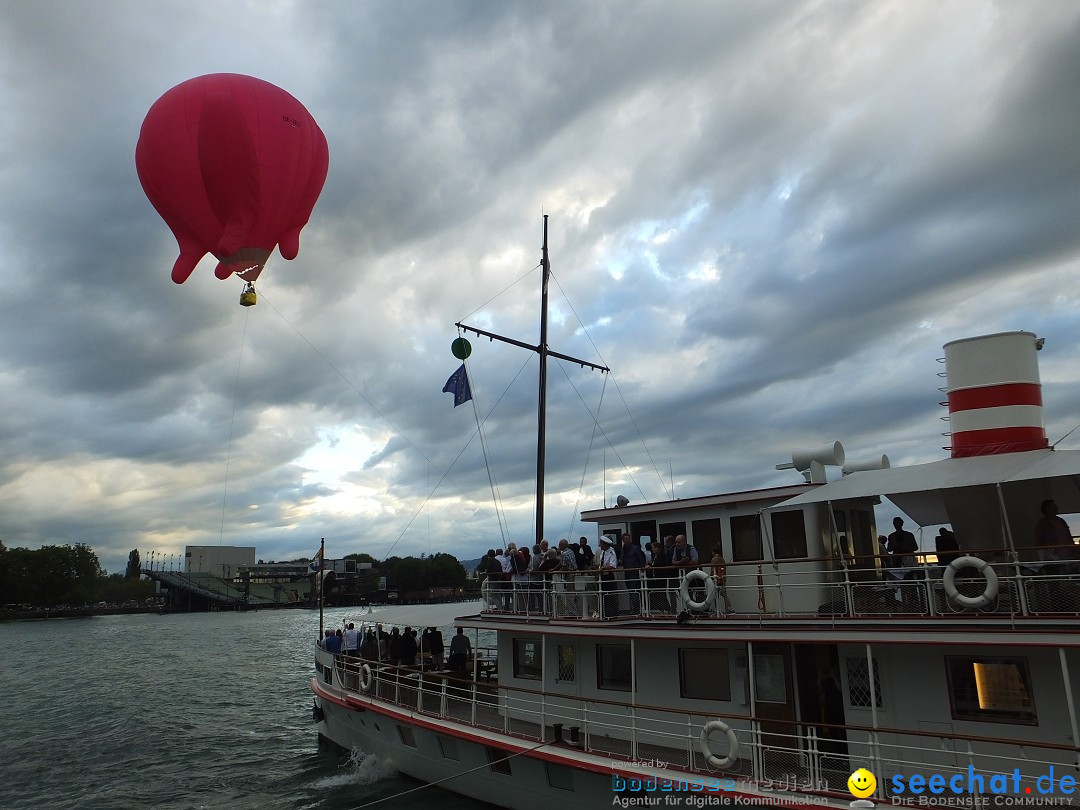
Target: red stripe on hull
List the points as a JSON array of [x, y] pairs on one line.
[[998, 440], [995, 396]]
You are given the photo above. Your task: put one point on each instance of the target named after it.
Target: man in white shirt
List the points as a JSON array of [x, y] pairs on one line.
[[607, 564]]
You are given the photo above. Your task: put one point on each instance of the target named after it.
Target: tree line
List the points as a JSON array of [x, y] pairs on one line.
[[413, 573], [52, 576]]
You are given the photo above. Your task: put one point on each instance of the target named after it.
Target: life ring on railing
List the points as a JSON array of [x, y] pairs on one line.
[[948, 581], [366, 677], [706, 751], [710, 590]]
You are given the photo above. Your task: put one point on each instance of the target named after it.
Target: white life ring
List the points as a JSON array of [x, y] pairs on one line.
[[948, 581], [710, 590], [366, 677], [706, 751]]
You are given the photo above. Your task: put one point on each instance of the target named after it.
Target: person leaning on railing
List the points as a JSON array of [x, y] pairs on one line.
[[718, 566], [1055, 541]]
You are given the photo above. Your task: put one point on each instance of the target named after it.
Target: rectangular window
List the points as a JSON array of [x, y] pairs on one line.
[[643, 528], [745, 538], [559, 776], [567, 663], [448, 746], [991, 689], [613, 667], [789, 535], [704, 674], [497, 760], [406, 736], [707, 537], [670, 529], [858, 684], [527, 661], [770, 678]]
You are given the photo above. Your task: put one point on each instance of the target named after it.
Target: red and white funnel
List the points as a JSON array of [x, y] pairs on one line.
[[995, 397]]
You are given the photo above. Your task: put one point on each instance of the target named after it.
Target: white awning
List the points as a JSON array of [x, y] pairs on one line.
[[967, 490]]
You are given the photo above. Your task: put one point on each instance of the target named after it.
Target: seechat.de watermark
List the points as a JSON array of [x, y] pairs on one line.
[[970, 788]]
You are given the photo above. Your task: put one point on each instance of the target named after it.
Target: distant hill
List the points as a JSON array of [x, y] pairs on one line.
[[470, 565]]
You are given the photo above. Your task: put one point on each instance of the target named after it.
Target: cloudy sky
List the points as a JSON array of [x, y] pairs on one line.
[[766, 218]]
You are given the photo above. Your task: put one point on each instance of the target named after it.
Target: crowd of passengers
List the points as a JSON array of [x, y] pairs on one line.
[[399, 647], [518, 577]]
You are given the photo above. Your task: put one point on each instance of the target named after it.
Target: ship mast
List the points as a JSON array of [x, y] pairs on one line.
[[544, 352]]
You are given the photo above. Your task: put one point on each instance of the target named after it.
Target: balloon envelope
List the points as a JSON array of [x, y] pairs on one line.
[[234, 166]]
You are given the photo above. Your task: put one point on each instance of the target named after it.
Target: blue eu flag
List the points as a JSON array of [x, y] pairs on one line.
[[458, 385]]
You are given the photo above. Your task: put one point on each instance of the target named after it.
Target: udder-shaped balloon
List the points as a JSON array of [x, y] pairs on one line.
[[234, 165]]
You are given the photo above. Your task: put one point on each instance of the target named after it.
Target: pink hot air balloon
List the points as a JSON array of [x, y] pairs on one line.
[[234, 166]]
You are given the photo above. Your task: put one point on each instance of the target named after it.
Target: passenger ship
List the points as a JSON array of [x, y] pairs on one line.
[[951, 684]]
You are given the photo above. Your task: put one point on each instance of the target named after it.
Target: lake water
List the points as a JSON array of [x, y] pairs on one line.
[[204, 710]]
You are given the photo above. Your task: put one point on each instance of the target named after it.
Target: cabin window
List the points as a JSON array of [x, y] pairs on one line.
[[789, 535], [990, 689], [448, 746], [567, 663], [406, 736], [498, 760], [670, 530], [613, 669], [704, 674], [559, 776], [745, 538], [642, 528], [527, 659], [707, 537], [858, 684]]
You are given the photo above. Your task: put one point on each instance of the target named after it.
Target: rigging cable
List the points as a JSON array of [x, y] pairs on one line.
[[232, 423], [495, 496], [633, 421], [452, 776], [455, 461], [588, 455], [611, 444]]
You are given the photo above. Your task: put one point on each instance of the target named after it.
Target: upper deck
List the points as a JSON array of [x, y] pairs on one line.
[[1010, 595]]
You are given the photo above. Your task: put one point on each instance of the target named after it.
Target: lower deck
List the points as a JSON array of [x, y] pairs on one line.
[[803, 716]]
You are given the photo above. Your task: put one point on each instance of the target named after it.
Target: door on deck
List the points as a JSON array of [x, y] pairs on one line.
[[774, 699], [821, 701]]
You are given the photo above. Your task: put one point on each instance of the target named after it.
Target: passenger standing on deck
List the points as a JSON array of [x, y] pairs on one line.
[[438, 649], [460, 649], [493, 568], [568, 578], [394, 643], [507, 586], [633, 562], [548, 566], [407, 647], [719, 573], [946, 546], [902, 544], [586, 552], [656, 580], [607, 563], [519, 577], [352, 640], [536, 580], [1054, 536]]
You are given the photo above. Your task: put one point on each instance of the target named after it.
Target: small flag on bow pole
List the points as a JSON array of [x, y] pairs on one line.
[[458, 385]]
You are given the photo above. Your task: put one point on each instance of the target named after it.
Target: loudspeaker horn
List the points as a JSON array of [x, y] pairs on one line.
[[866, 464], [831, 455]]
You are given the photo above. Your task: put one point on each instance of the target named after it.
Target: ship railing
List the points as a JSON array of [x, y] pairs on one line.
[[780, 755], [847, 588]]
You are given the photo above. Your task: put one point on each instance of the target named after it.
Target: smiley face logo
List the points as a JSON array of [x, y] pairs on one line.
[[861, 783]]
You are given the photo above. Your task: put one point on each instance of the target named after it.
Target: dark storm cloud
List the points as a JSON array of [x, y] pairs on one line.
[[767, 218]]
